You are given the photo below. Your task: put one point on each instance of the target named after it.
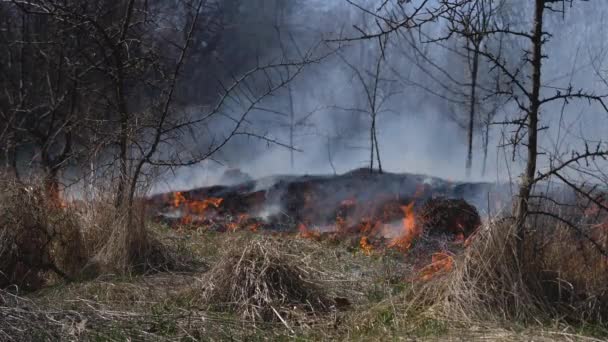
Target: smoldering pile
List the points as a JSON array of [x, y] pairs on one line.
[[371, 208]]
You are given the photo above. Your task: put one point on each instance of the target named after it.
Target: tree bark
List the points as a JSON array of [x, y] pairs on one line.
[[123, 108], [527, 183]]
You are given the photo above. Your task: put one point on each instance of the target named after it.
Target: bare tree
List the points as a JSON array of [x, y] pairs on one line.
[[377, 94], [462, 91]]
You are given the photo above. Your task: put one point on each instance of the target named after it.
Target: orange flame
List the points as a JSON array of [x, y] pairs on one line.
[[193, 207], [410, 230], [441, 263], [306, 233], [178, 199], [366, 246]]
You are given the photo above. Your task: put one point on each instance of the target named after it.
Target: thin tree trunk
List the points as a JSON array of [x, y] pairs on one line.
[[377, 148], [291, 126], [522, 206], [472, 107], [371, 140], [329, 156], [486, 142], [51, 185], [123, 154], [122, 107]]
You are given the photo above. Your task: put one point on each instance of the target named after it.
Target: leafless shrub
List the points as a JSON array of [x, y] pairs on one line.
[[38, 238]]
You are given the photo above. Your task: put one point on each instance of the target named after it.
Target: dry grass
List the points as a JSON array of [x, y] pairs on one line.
[[37, 237], [262, 285], [488, 282], [253, 274], [43, 242], [563, 282], [168, 307], [269, 287]]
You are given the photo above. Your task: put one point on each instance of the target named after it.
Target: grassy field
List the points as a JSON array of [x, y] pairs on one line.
[[237, 286]]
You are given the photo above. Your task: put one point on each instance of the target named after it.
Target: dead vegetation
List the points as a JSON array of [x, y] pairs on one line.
[[38, 239], [261, 284], [559, 289], [488, 281], [272, 287], [562, 277], [44, 240], [264, 285]]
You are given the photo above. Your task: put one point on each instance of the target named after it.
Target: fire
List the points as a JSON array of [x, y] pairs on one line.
[[441, 262], [241, 222], [366, 226], [410, 230], [253, 227], [460, 238], [366, 246], [193, 208], [304, 232], [178, 199]]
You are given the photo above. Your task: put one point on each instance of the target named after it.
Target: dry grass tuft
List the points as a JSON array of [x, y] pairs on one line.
[[488, 282], [260, 284], [132, 247], [560, 279], [572, 275]]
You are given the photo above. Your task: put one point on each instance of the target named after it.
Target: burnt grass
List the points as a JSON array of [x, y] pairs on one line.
[[361, 296]]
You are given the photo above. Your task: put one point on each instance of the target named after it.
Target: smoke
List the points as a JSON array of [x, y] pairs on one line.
[[418, 131]]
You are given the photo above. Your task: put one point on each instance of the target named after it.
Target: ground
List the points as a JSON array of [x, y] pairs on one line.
[[369, 293]]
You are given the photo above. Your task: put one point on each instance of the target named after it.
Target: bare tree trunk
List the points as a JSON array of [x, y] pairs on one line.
[[123, 158], [122, 107], [472, 106], [486, 142], [329, 156], [377, 147], [371, 145], [522, 206], [291, 126]]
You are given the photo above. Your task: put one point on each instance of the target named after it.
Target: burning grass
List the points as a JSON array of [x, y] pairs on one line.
[[262, 285]]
